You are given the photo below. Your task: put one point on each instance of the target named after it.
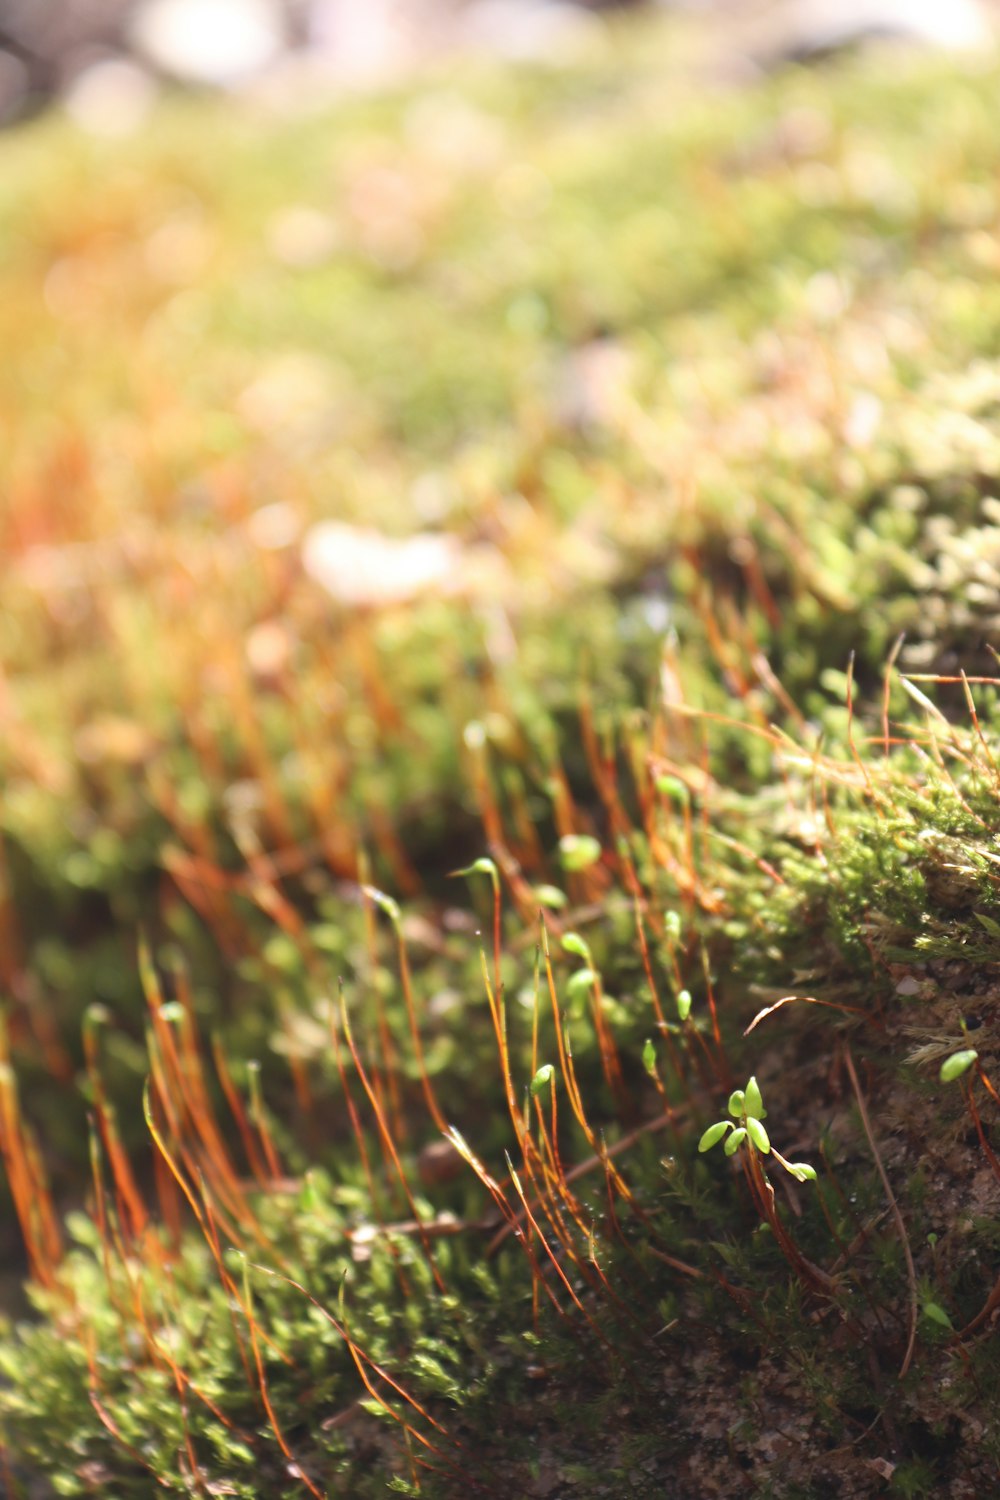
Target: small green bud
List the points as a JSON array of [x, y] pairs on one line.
[[578, 851], [674, 788], [684, 1004], [573, 943], [482, 866], [958, 1063], [580, 982], [649, 1058], [736, 1102], [542, 1079]]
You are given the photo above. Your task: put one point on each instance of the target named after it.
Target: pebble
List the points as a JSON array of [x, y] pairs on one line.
[[217, 43], [359, 566]]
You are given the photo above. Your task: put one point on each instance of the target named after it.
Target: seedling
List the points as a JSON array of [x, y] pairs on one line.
[[956, 1067], [745, 1133], [747, 1110]]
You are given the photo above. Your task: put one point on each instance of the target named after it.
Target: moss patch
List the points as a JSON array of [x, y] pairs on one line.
[[702, 406]]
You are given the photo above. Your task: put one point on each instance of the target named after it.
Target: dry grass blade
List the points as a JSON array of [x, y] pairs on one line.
[[894, 1206], [762, 1015]]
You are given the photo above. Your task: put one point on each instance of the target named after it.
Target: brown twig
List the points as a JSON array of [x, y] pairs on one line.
[[440, 1228]]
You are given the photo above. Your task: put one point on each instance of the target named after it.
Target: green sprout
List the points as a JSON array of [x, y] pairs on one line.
[[747, 1109], [936, 1314]]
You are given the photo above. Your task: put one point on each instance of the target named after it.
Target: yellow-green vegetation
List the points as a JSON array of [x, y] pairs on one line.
[[375, 953]]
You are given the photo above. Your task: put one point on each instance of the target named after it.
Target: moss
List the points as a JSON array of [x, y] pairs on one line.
[[704, 401]]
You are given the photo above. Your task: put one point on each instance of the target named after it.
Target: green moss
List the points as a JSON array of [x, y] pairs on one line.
[[705, 399]]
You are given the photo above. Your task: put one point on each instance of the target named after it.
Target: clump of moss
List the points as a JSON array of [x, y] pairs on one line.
[[413, 1150]]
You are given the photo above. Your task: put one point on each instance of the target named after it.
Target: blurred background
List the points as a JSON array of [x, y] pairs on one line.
[[107, 58]]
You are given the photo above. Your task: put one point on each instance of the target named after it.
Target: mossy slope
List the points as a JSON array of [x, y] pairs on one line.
[[704, 398]]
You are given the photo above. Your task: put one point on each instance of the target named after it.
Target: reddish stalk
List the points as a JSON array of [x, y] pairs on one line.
[[388, 1143], [581, 1169], [102, 1227], [265, 1394], [565, 1052], [763, 1196], [236, 1109], [513, 1220], [233, 1296], [28, 1187], [185, 1382], [386, 1079], [104, 1416], [363, 1362], [430, 1098], [526, 1207], [258, 1119], [987, 1148], [359, 1136]]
